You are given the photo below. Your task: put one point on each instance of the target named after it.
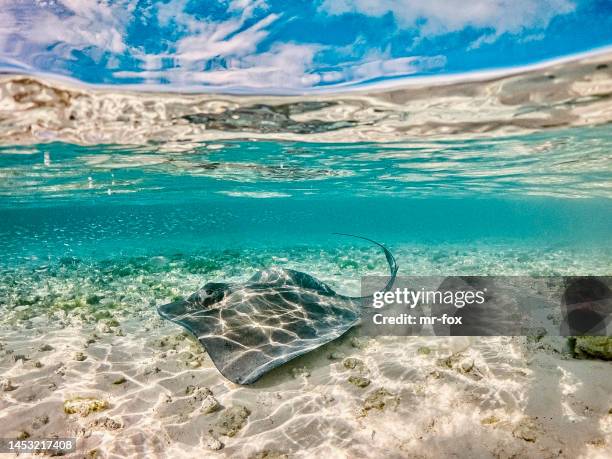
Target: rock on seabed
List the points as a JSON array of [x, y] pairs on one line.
[[84, 405], [594, 346], [232, 420]]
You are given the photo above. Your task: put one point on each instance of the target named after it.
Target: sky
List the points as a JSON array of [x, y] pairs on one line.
[[276, 46]]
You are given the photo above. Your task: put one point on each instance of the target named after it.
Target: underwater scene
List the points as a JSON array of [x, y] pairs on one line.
[[116, 201]]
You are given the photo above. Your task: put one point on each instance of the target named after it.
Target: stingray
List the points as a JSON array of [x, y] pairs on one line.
[[277, 315]]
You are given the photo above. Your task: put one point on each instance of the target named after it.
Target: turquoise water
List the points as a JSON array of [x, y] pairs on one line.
[[539, 192], [94, 237], [137, 226]]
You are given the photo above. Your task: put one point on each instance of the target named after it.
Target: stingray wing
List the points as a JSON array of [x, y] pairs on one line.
[[258, 328]]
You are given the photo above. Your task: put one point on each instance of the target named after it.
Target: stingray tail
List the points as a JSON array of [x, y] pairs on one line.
[[390, 260]]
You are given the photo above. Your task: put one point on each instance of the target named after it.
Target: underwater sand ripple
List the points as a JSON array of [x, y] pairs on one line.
[[86, 335]]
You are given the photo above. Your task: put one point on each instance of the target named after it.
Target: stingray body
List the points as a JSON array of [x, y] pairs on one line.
[[279, 314]]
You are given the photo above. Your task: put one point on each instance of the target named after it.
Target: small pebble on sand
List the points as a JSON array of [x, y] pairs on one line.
[[40, 421], [232, 420], [423, 350], [379, 399], [103, 327], [359, 381], [209, 404], [352, 363], [213, 443], [105, 422], [7, 385], [84, 405], [489, 420], [467, 365], [198, 393], [525, 430]]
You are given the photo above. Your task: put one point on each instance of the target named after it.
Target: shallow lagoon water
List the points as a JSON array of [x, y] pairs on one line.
[[94, 235], [94, 238], [547, 191]]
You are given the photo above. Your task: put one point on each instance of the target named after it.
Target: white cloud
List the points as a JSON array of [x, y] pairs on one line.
[[235, 50], [233, 47], [222, 39], [284, 66], [82, 24], [435, 17], [394, 67], [173, 10], [288, 66], [377, 66]]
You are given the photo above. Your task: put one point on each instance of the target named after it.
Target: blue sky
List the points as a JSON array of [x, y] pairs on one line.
[[277, 46]]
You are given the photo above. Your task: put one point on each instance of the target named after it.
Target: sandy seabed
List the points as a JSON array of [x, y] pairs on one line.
[[104, 368]]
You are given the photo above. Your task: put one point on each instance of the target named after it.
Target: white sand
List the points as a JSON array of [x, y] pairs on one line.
[[427, 397], [494, 397]]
